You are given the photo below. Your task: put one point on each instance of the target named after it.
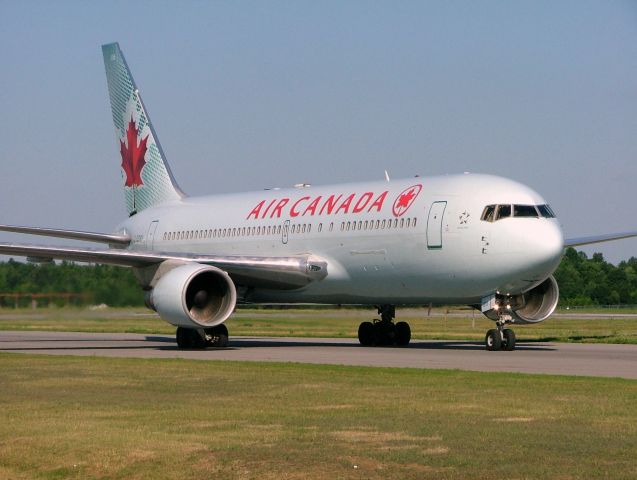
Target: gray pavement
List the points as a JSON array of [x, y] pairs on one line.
[[598, 360]]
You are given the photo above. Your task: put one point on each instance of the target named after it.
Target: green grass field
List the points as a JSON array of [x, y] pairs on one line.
[[71, 417], [455, 325]]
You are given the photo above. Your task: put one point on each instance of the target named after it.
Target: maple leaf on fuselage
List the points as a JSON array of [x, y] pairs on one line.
[[406, 198], [133, 156]]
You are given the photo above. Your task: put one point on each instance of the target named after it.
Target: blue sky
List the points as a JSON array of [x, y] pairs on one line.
[[247, 95]]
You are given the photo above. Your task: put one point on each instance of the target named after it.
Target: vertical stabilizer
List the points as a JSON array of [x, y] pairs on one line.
[[145, 172]]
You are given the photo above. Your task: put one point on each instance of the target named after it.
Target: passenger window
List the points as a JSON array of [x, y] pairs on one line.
[[524, 211], [504, 211]]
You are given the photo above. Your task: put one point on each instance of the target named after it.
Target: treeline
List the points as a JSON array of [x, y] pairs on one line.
[[582, 281], [594, 281], [91, 285]]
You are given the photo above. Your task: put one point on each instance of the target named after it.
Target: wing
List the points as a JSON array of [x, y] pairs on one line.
[[266, 272], [110, 238], [576, 242]]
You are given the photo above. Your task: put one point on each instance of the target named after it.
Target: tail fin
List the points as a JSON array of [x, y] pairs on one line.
[[148, 180]]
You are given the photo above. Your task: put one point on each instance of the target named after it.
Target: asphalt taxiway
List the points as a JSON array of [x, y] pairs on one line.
[[598, 360]]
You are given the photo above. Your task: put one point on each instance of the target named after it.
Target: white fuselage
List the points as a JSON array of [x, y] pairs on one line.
[[410, 241]]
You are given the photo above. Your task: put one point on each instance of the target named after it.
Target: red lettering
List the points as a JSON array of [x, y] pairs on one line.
[[378, 203], [268, 208], [330, 203], [279, 207], [362, 202], [255, 211], [346, 203], [293, 212], [311, 208]]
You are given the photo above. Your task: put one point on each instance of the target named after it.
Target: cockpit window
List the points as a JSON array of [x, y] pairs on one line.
[[524, 211], [487, 214], [546, 211], [493, 213], [504, 211]]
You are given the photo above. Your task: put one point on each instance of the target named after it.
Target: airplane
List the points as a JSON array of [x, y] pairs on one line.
[[468, 239]]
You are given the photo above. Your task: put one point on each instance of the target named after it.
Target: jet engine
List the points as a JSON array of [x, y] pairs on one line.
[[532, 306], [193, 295]]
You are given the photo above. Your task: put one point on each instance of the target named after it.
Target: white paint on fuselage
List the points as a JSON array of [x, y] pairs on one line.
[[376, 266]]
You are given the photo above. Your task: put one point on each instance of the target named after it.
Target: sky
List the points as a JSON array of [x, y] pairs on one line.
[[249, 95]]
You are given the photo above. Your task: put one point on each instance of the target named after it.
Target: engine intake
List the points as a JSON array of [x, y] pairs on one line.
[[533, 306], [538, 303], [193, 295]]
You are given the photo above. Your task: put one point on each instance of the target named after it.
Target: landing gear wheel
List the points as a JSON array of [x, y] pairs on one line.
[[217, 336], [492, 340], [509, 339], [403, 334], [189, 338], [366, 334], [384, 333], [183, 338]]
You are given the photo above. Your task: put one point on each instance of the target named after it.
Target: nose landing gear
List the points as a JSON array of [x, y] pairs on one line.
[[500, 338], [384, 331]]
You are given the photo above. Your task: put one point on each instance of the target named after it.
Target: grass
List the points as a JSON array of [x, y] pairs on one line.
[[442, 325], [69, 417]]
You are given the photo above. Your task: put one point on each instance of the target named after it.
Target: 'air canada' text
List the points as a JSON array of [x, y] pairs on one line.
[[328, 205]]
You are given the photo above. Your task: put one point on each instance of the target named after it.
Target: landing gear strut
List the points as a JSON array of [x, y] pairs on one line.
[[384, 331], [200, 338], [500, 338]]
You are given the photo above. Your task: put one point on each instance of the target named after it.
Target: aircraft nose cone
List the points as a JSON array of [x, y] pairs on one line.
[[548, 245]]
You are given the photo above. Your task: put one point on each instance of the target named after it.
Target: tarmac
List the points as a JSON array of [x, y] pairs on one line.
[[597, 360]]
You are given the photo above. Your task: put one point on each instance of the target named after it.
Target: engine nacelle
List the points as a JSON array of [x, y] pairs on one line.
[[533, 306], [538, 303], [193, 295]]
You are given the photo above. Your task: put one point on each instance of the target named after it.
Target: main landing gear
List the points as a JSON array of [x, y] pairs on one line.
[[384, 331], [200, 338], [500, 338]]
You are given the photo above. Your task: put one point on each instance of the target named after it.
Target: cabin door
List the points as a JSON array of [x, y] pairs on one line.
[[434, 225], [150, 237]]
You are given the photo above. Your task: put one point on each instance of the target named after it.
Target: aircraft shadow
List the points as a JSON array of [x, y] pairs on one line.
[[168, 343], [239, 343]]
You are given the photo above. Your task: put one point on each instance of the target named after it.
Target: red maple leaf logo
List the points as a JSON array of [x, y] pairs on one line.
[[133, 155], [405, 199]]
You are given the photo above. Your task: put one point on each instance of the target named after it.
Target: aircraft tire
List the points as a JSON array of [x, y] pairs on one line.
[[403, 334], [509, 339], [219, 336], [366, 334], [492, 340], [183, 340], [384, 334], [189, 338]]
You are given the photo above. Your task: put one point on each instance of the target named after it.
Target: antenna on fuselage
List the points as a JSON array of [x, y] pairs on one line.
[[386, 175]]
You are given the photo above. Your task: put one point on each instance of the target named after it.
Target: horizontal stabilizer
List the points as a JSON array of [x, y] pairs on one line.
[[266, 272], [111, 239], [577, 242]]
